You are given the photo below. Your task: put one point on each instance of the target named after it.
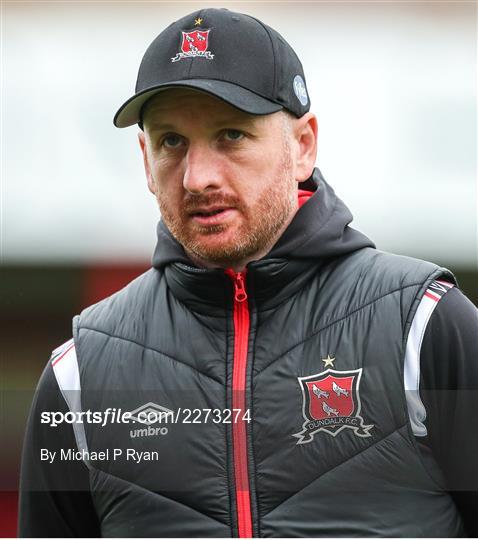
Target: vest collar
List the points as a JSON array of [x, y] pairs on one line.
[[268, 283]]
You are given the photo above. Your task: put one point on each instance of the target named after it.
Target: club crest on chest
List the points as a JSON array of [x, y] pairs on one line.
[[331, 403]]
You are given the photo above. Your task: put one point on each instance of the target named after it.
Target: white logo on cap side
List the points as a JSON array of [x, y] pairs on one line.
[[300, 91]]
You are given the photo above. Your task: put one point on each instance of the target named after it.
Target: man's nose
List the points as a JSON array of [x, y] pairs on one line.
[[203, 169]]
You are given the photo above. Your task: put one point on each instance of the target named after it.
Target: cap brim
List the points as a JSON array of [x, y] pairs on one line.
[[245, 100]]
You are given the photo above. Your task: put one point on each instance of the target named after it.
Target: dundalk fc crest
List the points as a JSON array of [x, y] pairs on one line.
[[194, 44], [331, 403]]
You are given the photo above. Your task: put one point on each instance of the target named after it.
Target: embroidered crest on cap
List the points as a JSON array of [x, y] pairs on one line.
[[194, 44], [331, 403], [300, 91]]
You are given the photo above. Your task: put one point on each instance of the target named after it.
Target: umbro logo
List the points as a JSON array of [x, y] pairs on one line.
[[149, 414]]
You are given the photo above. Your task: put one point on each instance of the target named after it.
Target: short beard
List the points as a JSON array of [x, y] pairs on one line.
[[272, 211]]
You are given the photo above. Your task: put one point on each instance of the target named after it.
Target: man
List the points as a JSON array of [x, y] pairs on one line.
[[285, 377]]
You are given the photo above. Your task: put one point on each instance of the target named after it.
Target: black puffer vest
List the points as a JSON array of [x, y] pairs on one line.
[[308, 345]]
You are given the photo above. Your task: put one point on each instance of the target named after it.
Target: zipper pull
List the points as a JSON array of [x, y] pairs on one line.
[[240, 294]]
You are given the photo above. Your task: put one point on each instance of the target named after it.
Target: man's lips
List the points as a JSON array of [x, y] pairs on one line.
[[211, 215], [207, 210]]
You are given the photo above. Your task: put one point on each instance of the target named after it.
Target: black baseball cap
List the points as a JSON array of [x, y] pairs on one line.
[[232, 56]]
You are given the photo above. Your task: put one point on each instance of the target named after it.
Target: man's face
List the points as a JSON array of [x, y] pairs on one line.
[[224, 179]]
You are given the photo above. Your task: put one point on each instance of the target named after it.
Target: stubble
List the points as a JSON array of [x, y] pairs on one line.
[[259, 230]]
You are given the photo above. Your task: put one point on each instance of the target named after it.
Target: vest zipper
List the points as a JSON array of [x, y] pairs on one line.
[[239, 428]]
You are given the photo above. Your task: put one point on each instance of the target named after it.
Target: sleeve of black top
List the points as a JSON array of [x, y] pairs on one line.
[[55, 500], [449, 389]]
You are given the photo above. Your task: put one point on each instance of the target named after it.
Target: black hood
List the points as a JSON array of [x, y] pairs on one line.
[[320, 230]]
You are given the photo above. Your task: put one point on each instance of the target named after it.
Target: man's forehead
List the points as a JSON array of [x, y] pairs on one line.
[[166, 105]]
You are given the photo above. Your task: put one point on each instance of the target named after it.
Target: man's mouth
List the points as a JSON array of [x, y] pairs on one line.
[[212, 216], [210, 213]]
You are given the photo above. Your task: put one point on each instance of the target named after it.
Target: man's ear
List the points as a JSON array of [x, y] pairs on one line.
[[147, 168], [305, 134]]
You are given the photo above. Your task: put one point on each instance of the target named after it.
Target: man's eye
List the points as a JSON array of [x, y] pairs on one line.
[[171, 141], [233, 135]]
